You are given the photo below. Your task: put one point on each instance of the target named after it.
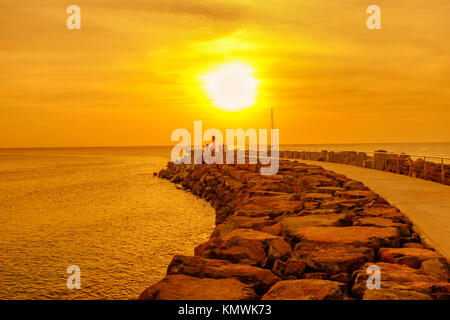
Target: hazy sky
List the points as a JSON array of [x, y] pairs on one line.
[[130, 76]]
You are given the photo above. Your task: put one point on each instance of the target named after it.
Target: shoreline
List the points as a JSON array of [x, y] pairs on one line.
[[306, 233]]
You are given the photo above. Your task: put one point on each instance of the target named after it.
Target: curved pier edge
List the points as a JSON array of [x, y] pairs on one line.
[[425, 203], [305, 233]]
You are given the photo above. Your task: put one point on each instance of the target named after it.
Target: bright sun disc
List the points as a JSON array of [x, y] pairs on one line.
[[231, 86]]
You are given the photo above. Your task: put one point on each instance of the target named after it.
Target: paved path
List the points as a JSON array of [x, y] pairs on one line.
[[426, 203]]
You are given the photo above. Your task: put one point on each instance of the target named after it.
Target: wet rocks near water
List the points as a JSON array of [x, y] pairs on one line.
[[183, 287], [260, 279], [240, 246], [306, 289], [305, 233]]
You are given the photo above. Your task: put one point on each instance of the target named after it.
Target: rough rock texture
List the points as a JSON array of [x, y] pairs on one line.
[[332, 258], [412, 257], [278, 250], [401, 277], [241, 246], [436, 266], [393, 294], [241, 222], [290, 225], [261, 279], [358, 236], [305, 233], [306, 289], [182, 287], [403, 228]]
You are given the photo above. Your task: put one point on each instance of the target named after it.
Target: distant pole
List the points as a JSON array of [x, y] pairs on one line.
[[271, 118]]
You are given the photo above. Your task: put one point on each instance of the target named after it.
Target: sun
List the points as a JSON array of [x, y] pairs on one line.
[[231, 86]]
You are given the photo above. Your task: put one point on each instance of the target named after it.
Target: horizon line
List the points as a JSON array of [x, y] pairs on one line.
[[167, 146]]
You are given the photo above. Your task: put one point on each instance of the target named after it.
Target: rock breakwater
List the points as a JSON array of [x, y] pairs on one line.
[[305, 233]]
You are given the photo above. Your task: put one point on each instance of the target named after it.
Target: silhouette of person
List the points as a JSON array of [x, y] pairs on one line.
[[211, 149]]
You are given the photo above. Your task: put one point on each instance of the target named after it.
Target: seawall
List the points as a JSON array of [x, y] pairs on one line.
[[305, 233], [417, 167]]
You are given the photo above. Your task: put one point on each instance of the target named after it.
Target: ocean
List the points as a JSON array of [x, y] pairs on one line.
[[98, 208], [102, 210]]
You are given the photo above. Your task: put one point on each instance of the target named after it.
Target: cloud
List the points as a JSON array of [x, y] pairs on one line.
[[212, 9]]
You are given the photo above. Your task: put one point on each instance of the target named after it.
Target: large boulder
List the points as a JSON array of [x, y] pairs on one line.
[[411, 257], [239, 246], [199, 172], [273, 229], [344, 204], [278, 250], [358, 236], [436, 266], [289, 225], [357, 194], [243, 175], [183, 287], [332, 258], [233, 184], [241, 222], [413, 245], [354, 185], [330, 190], [294, 268], [401, 277], [386, 212], [403, 228], [258, 278], [394, 294], [316, 196], [339, 277], [314, 178], [269, 207], [306, 289]]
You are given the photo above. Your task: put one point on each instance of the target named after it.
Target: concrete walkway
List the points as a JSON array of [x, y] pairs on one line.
[[427, 204]]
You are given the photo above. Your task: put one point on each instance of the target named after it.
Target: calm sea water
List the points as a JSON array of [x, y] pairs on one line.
[[100, 209]]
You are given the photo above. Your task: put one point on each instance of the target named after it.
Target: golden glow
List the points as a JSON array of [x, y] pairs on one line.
[[122, 80], [232, 87]]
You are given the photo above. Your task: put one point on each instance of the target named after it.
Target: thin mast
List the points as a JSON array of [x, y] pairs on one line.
[[271, 118]]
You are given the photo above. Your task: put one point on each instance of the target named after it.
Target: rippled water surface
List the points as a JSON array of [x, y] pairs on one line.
[[98, 208]]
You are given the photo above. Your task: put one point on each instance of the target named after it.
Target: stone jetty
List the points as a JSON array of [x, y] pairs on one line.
[[305, 233]]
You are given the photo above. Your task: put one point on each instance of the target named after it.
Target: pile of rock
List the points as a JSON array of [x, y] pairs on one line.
[[305, 233], [380, 160]]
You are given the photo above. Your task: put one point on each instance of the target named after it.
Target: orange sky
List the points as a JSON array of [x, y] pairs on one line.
[[130, 76]]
